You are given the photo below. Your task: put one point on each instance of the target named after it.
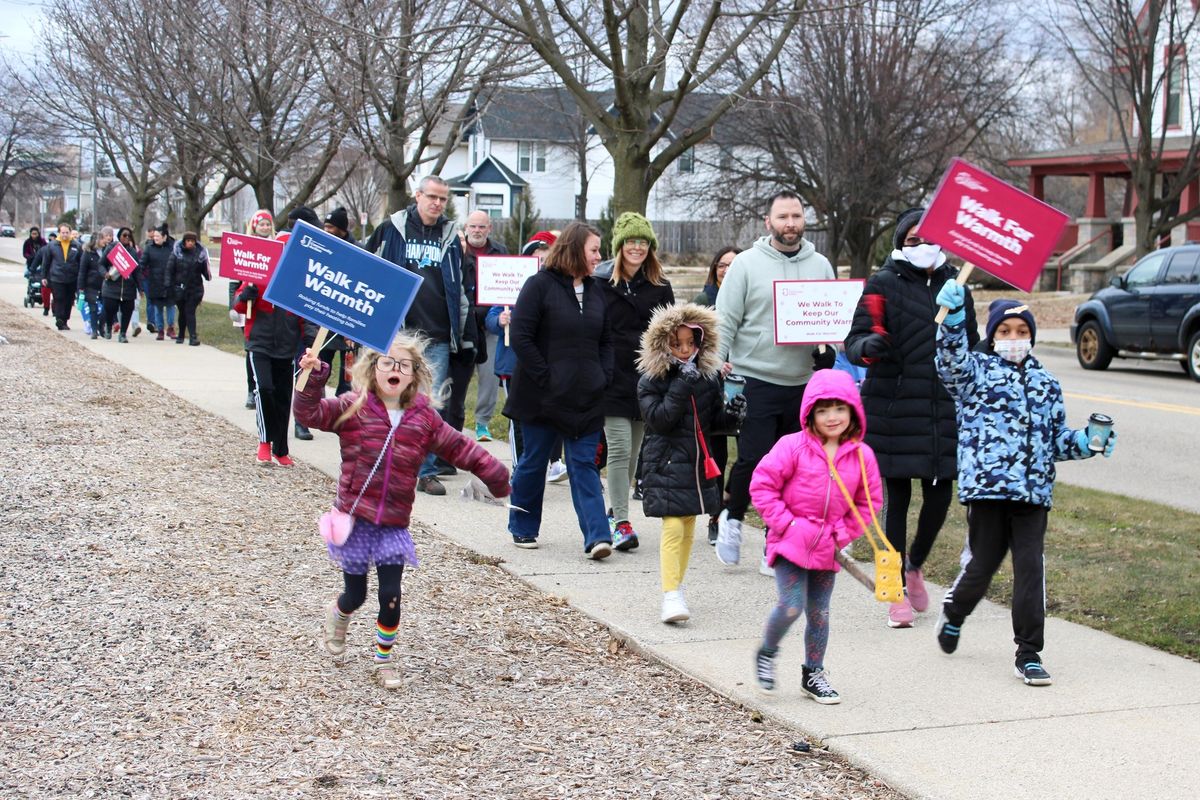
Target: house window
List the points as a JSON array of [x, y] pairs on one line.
[[1174, 92], [687, 160], [531, 156], [493, 204]]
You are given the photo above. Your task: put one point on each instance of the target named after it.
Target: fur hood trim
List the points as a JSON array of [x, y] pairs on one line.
[[654, 357]]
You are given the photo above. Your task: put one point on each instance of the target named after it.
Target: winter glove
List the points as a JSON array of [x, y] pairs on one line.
[[876, 346], [1081, 441], [735, 410], [689, 373], [824, 357], [953, 297]]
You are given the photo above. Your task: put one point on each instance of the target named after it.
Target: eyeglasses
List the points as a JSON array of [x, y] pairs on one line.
[[915, 241], [388, 364], [637, 242]]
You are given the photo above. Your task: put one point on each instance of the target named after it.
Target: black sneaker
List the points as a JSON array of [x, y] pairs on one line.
[[431, 485], [816, 685], [713, 529], [526, 542], [947, 634], [1033, 673], [764, 669], [150, 327]]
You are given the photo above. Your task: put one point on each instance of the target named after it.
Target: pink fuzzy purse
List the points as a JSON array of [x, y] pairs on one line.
[[336, 526]]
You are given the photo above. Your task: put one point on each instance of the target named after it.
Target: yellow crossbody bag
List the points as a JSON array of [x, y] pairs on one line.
[[889, 585]]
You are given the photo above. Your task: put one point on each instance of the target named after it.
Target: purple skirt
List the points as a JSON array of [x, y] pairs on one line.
[[373, 544]]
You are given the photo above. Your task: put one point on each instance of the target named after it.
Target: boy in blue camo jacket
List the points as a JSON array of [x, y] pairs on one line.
[[1012, 427]]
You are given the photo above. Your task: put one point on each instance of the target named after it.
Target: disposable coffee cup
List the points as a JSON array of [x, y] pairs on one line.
[[1098, 429], [734, 385]]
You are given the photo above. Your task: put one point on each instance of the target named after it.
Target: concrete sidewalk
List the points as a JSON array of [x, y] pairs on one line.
[[1121, 720]]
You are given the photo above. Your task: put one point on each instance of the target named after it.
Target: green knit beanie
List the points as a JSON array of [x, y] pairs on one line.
[[632, 225]]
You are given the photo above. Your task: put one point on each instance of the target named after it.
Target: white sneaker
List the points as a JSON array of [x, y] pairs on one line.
[[674, 609], [766, 569], [556, 472], [729, 539]]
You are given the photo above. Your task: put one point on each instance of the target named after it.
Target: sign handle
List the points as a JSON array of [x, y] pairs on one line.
[[250, 309], [507, 340], [963, 274], [318, 343]]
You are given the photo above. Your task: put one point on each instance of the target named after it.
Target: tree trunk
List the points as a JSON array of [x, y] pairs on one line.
[[1143, 188], [860, 247], [264, 194], [193, 213], [630, 168], [137, 215], [397, 194]]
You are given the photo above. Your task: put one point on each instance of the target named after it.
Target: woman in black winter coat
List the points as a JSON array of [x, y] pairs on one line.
[[187, 270], [119, 293], [633, 291], [560, 334], [160, 310], [911, 422], [30, 247], [91, 276]]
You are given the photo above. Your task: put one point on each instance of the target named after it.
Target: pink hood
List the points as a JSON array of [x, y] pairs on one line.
[[829, 384], [807, 516]]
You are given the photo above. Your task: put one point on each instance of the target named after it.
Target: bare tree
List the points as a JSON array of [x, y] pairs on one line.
[[404, 74], [1134, 55], [25, 136], [364, 188], [657, 53], [862, 113]]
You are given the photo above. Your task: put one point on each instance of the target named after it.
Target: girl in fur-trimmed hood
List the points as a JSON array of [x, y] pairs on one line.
[[682, 402]]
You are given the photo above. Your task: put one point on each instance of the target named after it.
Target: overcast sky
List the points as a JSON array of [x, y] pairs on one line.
[[16, 26]]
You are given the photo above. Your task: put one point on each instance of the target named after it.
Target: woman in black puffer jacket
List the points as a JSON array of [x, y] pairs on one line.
[[91, 277], [187, 270], [633, 289], [683, 402], [119, 293], [911, 423]]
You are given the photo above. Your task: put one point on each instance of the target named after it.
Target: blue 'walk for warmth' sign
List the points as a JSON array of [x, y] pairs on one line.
[[334, 284]]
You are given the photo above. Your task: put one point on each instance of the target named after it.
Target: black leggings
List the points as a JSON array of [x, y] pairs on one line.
[[935, 502], [355, 594]]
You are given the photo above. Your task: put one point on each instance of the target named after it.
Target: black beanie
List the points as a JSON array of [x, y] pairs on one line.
[[904, 224], [339, 219], [305, 214], [1001, 310]]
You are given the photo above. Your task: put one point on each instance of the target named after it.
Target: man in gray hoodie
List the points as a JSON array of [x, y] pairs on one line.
[[775, 374]]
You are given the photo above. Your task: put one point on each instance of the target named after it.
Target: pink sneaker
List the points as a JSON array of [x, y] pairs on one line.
[[263, 457], [917, 596], [900, 615]]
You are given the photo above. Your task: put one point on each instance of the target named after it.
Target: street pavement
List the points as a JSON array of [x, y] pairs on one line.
[[1122, 720]]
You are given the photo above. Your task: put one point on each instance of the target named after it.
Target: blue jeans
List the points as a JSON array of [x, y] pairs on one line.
[[160, 316], [437, 355], [529, 483]]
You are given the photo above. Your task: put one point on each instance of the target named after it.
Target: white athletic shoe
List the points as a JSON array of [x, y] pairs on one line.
[[729, 539], [674, 609], [556, 472]]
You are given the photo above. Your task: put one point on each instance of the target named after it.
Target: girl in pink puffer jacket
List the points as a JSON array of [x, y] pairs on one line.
[[385, 425], [808, 518]]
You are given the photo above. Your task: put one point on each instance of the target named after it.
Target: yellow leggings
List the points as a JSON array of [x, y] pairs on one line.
[[674, 550]]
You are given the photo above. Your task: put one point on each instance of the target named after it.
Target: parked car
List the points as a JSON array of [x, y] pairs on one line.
[[1152, 311], [8, 230]]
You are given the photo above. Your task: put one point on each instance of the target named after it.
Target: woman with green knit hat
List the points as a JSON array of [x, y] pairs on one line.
[[633, 290]]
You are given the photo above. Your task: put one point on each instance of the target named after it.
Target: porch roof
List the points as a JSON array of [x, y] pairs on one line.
[[1109, 158]]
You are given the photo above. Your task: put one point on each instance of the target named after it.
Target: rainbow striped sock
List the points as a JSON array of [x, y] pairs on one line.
[[385, 637]]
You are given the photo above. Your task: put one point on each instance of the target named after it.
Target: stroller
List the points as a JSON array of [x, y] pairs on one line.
[[33, 292]]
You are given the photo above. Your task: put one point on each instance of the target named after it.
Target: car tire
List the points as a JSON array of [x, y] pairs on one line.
[[1091, 348], [1192, 364]]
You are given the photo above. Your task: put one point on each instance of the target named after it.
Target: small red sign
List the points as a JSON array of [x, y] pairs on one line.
[[992, 225], [119, 257], [248, 258]]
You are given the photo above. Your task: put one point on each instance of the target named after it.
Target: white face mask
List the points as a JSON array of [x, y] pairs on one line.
[[1013, 350], [923, 256]]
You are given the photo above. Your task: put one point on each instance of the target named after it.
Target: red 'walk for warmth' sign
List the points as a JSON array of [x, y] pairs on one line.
[[248, 258], [992, 225]]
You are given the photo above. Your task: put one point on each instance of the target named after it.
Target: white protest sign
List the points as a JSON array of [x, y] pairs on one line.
[[499, 278], [815, 312]]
